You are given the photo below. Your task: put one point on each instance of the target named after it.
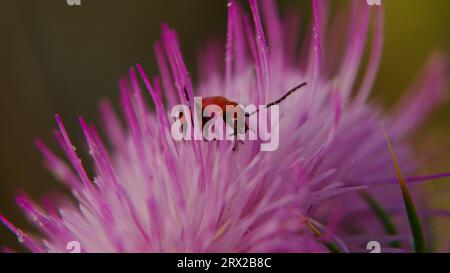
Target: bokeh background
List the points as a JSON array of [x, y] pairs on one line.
[[60, 59]]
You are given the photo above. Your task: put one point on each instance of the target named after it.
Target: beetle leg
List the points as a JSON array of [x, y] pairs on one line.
[[235, 145]]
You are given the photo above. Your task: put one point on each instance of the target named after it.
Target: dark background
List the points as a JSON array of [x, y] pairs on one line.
[[60, 59]]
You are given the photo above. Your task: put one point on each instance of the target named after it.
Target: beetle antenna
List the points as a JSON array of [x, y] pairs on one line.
[[186, 94], [278, 101], [287, 94]]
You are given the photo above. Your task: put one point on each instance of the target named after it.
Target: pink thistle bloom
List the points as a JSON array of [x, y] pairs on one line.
[[150, 193]]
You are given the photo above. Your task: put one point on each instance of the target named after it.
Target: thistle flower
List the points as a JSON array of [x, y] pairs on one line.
[[150, 193]]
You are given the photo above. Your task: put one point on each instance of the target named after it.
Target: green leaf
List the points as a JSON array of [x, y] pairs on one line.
[[414, 221], [383, 216], [331, 247]]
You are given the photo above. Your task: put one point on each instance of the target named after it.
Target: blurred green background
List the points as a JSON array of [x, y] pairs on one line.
[[60, 59]]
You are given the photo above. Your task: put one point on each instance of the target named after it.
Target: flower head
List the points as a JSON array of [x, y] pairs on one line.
[[150, 193]]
